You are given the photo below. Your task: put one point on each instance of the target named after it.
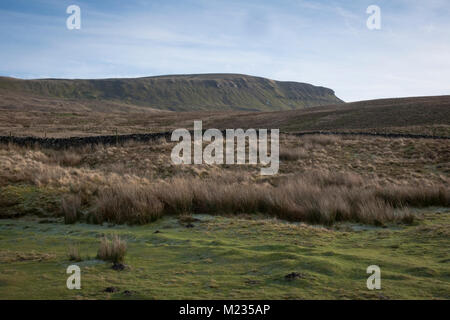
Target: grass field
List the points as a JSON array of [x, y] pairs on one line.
[[229, 258], [337, 205]]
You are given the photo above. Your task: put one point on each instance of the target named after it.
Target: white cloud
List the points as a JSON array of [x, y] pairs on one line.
[[316, 42]]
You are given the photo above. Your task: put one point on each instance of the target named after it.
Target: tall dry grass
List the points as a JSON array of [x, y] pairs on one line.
[[415, 196], [73, 253], [320, 139], [293, 154], [113, 250], [316, 197], [127, 203], [71, 208], [67, 158]]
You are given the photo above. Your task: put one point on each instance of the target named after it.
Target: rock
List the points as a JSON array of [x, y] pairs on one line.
[[118, 266], [294, 275], [127, 293], [110, 289]]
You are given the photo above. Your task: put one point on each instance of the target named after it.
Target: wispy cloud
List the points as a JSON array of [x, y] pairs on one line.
[[321, 42]]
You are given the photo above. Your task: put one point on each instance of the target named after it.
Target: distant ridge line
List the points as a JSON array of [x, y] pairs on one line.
[[189, 92]]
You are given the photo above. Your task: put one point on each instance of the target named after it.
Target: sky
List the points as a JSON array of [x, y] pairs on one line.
[[325, 43]]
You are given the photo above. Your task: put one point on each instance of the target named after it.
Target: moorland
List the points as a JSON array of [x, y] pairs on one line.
[[338, 204]]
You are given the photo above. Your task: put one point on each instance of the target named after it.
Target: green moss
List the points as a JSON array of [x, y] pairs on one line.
[[20, 200], [228, 258]]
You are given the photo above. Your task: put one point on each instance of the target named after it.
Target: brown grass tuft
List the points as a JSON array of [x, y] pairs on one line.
[[320, 139], [74, 253], [71, 208], [127, 203], [417, 196], [316, 197], [67, 158], [293, 154], [113, 249]]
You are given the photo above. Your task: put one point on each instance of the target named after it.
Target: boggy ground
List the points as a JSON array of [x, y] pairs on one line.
[[351, 202]]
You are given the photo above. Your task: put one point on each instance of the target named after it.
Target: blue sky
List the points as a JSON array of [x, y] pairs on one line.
[[324, 43]]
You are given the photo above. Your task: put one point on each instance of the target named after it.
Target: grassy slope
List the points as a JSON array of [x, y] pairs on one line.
[[429, 115], [228, 258], [182, 92], [59, 117]]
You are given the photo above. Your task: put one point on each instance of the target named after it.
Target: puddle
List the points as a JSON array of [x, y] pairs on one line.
[[365, 227], [438, 210], [87, 263]]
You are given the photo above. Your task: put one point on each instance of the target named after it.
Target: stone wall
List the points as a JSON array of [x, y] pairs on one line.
[[64, 143]]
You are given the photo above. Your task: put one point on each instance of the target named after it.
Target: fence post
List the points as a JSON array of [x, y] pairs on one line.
[[117, 137]]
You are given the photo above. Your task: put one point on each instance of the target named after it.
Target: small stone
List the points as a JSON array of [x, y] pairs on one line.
[[294, 275], [118, 266], [251, 282], [127, 292]]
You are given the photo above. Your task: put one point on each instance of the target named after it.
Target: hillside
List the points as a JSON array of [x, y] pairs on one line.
[[31, 116], [428, 115], [218, 92]]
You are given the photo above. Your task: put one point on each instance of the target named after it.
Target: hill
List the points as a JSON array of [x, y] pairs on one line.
[[27, 115], [202, 92], [427, 115]]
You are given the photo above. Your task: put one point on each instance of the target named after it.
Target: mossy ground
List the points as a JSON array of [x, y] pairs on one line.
[[229, 258], [19, 200]]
